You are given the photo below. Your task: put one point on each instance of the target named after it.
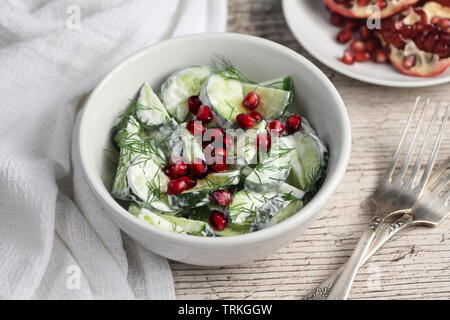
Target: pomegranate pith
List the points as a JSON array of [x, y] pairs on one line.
[[218, 220], [359, 8]]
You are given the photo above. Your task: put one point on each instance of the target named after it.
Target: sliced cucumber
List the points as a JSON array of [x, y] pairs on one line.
[[233, 229], [183, 144], [279, 83], [309, 161], [287, 189], [245, 149], [273, 170], [180, 86], [246, 204], [150, 109], [173, 224], [148, 183], [225, 97], [199, 195], [277, 208], [125, 139], [273, 101]]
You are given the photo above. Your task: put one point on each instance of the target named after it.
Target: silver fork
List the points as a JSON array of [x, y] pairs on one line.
[[430, 210], [393, 196]]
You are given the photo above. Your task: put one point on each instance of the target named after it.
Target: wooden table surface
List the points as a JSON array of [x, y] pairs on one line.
[[413, 265]]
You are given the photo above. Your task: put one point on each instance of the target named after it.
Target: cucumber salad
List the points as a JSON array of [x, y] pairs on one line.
[[216, 154]]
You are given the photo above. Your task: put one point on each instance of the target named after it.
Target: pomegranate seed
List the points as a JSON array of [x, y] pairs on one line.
[[357, 46], [222, 197], [344, 36], [219, 152], [263, 142], [245, 121], [191, 182], [409, 62], [176, 186], [196, 128], [204, 114], [199, 168], [168, 171], [336, 19], [276, 127], [362, 3], [364, 33], [381, 4], [380, 57], [218, 220], [258, 117], [180, 169], [213, 135], [251, 101], [194, 104], [228, 141], [350, 25], [293, 123], [219, 167], [372, 44], [174, 160], [362, 56], [348, 58]]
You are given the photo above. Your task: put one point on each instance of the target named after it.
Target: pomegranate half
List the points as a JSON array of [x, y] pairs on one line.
[[360, 8], [418, 40]]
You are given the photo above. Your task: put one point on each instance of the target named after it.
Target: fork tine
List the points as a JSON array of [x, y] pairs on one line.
[[412, 147], [391, 169], [432, 158]]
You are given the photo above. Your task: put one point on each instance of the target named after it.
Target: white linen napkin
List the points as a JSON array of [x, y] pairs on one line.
[[56, 241]]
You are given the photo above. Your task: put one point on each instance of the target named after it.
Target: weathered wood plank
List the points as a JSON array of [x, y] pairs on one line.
[[413, 265]]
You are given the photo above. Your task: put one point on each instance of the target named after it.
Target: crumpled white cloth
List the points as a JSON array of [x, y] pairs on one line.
[[56, 241]]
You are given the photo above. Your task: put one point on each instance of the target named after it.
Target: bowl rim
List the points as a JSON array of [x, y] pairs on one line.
[[312, 208]]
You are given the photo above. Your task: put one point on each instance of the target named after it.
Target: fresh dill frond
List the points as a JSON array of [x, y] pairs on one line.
[[224, 66]]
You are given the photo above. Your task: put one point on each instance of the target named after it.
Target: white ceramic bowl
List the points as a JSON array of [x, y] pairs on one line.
[[315, 97]]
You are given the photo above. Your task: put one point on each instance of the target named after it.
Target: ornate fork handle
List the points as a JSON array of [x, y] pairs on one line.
[[323, 290]]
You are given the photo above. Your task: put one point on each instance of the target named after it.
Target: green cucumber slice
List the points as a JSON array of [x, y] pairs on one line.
[[273, 170], [245, 205], [180, 86], [189, 200], [245, 149], [183, 144], [225, 97], [125, 139], [309, 161], [273, 101], [172, 224], [150, 109], [275, 210]]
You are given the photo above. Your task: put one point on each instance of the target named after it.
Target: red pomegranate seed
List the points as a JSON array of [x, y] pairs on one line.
[[245, 121], [191, 182], [263, 142], [199, 168], [276, 127], [344, 36], [222, 197], [336, 19], [176, 186], [357, 46], [348, 58], [196, 128], [372, 44], [218, 220], [219, 152], [213, 135], [350, 25], [194, 104], [219, 167], [258, 117], [362, 3], [228, 141], [379, 56], [381, 4], [362, 56], [251, 101], [168, 171], [204, 114], [409, 62], [364, 33], [293, 123], [179, 169]]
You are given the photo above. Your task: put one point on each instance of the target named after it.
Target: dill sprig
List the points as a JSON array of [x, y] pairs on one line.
[[224, 66]]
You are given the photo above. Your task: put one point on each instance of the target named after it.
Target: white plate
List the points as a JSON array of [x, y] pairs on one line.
[[309, 22]]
